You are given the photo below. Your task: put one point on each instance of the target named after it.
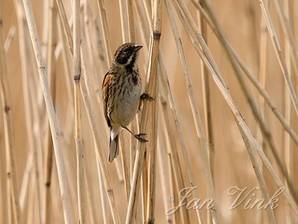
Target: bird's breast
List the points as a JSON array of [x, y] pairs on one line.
[[127, 99]]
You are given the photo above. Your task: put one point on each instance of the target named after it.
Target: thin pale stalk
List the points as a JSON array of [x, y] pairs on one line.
[[125, 168], [77, 108], [27, 104], [63, 18], [25, 182], [285, 24], [157, 9], [54, 125], [148, 113], [124, 19], [255, 82], [278, 52], [104, 27], [10, 37], [12, 195], [90, 200], [102, 193], [174, 199], [49, 144], [264, 128], [207, 107], [262, 78], [178, 182], [202, 49], [289, 153], [177, 158], [200, 132], [84, 89], [162, 164]]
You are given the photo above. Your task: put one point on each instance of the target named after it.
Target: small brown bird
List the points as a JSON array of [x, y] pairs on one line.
[[121, 89]]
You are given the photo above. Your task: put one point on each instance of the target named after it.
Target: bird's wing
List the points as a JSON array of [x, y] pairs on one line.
[[107, 80]]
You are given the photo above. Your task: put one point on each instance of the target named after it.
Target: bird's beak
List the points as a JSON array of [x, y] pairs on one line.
[[138, 47]]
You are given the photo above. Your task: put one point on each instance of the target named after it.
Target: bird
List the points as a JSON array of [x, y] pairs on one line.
[[122, 94]]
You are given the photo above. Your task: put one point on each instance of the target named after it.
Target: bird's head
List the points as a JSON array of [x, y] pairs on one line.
[[126, 54]]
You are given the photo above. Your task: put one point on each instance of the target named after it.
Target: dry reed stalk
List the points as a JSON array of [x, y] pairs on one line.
[[254, 81], [28, 108], [279, 55], [104, 27], [201, 137], [264, 128], [66, 29], [199, 127], [52, 42], [207, 106], [92, 208], [151, 153], [146, 27], [164, 152], [102, 197], [81, 188], [202, 49], [262, 78], [149, 113], [125, 168], [131, 20], [176, 165], [262, 71], [144, 188], [45, 27], [84, 89], [288, 31], [54, 125], [144, 175], [143, 20], [3, 191], [206, 97], [165, 177], [66, 66], [124, 19], [24, 193], [11, 187], [288, 150], [25, 182], [188, 83], [145, 171], [30, 204], [174, 188], [10, 38]]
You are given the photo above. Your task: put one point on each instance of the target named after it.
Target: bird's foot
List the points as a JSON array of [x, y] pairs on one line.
[[141, 137], [146, 96]]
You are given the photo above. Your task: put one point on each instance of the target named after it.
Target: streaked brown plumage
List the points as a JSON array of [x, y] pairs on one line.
[[121, 90]]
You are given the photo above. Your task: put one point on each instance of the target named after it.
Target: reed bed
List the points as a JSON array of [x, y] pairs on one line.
[[222, 127]]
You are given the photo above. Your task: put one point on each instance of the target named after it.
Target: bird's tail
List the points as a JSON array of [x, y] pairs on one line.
[[114, 150]]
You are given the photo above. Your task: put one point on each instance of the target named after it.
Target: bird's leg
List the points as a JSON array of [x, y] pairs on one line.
[[143, 97], [140, 137]]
